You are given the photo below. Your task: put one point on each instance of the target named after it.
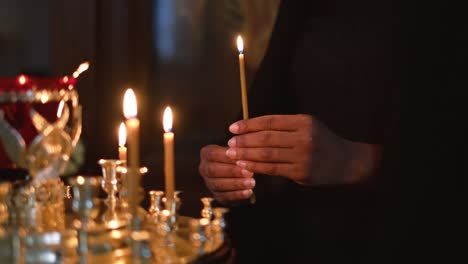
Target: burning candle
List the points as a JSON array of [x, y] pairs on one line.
[[168, 153], [133, 126], [245, 106], [122, 141]]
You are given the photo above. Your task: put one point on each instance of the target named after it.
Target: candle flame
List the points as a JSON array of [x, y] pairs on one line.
[[122, 134], [167, 119], [80, 180], [82, 68], [113, 224], [204, 221], [22, 79], [240, 44], [166, 212], [130, 104], [143, 170], [44, 98]]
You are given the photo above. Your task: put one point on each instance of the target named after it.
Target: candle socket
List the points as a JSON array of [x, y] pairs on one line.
[[165, 228], [111, 182], [155, 205], [207, 211], [197, 233], [85, 191], [173, 206], [219, 223]]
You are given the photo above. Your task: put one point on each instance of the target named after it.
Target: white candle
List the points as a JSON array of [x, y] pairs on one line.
[[168, 153], [122, 141], [245, 106], [133, 127]]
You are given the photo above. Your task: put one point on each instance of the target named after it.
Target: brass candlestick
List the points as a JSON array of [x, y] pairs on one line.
[[155, 205], [207, 211], [111, 183], [85, 191]]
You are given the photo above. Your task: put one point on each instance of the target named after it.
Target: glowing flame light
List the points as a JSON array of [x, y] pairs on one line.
[[60, 108], [122, 134], [130, 104], [22, 79], [240, 44], [167, 119], [82, 68], [80, 180]]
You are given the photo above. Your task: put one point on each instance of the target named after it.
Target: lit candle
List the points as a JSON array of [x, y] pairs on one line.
[[133, 164], [168, 153], [245, 106], [122, 141]]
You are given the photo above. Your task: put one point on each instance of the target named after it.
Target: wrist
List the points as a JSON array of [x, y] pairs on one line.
[[364, 161]]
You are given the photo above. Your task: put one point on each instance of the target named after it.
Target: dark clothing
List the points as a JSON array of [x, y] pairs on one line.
[[348, 63]]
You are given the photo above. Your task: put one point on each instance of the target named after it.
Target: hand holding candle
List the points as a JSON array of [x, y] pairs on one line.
[[168, 153], [122, 141]]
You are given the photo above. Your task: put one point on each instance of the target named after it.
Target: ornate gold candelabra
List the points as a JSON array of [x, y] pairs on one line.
[[42, 220]]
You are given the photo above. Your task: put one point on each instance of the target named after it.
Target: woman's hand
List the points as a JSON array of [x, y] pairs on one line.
[[300, 148]]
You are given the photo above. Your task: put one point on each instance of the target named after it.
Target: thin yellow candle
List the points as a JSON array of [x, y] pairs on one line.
[[168, 153], [133, 164], [122, 141], [245, 106]]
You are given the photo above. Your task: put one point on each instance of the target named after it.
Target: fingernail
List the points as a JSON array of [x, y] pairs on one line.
[[247, 193], [234, 128], [231, 153], [232, 142], [241, 164], [249, 183], [246, 173]]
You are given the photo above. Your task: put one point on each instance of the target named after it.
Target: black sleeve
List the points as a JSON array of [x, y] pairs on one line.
[[423, 183], [269, 93]]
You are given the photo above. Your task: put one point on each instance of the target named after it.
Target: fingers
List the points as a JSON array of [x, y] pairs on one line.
[[222, 170], [214, 153], [224, 197], [262, 154], [229, 184], [279, 139], [271, 122], [227, 181], [274, 169]]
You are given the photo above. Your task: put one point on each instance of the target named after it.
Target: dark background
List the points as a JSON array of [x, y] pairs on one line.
[[180, 53]]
